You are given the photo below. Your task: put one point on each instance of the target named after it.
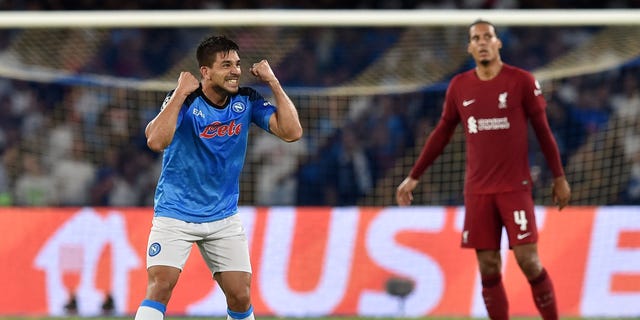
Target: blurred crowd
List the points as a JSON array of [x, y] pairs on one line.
[[72, 146]]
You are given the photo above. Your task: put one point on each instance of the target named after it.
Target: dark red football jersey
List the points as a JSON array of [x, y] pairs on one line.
[[495, 115]]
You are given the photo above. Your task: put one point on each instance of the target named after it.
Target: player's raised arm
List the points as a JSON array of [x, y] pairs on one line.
[[160, 130], [285, 122]]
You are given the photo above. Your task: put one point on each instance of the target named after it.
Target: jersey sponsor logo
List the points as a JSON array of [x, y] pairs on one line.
[[521, 236], [238, 107], [218, 129], [472, 125], [154, 249], [198, 112], [466, 103], [476, 125], [502, 100]]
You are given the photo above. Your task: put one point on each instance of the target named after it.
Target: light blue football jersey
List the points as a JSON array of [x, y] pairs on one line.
[[202, 165]]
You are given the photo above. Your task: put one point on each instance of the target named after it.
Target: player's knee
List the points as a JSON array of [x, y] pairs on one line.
[[489, 263], [489, 268], [160, 290], [238, 299], [530, 265]]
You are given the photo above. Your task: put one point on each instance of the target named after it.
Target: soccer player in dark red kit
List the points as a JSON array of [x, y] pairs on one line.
[[495, 102]]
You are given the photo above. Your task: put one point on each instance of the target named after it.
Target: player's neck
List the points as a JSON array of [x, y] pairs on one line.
[[215, 97], [489, 71]]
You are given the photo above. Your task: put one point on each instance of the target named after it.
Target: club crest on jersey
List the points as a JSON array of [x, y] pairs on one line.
[[502, 100], [238, 107], [219, 129], [154, 249]]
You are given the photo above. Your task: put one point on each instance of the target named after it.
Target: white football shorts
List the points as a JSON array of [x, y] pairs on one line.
[[223, 244]]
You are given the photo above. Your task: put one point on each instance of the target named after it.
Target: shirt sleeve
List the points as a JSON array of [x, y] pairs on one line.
[[439, 137], [536, 105], [183, 109], [533, 99], [261, 110], [547, 143]]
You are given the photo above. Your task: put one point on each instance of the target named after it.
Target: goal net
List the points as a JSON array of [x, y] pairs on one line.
[[368, 91]]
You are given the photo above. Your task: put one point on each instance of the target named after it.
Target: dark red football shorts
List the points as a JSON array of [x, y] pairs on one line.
[[486, 214]]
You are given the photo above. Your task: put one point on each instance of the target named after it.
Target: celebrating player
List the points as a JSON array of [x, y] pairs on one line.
[[203, 127], [495, 101]]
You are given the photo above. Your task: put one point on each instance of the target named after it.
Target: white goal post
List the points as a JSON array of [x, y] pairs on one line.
[[308, 18]]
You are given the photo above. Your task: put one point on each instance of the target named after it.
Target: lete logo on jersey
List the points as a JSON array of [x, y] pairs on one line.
[[219, 129]]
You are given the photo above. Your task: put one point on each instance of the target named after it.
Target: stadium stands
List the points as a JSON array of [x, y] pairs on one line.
[[595, 117]]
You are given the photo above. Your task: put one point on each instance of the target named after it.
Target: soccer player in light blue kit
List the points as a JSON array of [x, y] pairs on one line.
[[203, 128]]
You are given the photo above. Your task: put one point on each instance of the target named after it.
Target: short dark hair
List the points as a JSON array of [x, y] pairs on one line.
[[481, 21], [209, 47]]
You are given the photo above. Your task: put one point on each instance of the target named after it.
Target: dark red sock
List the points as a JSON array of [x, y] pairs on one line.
[[544, 296], [495, 297]]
